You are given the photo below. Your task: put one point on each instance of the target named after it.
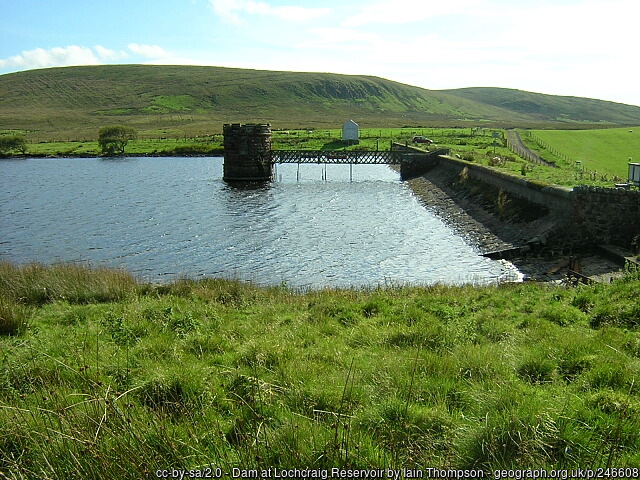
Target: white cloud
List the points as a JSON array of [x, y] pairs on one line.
[[57, 56], [406, 11], [588, 30], [295, 13], [80, 55], [108, 54], [227, 9], [148, 51], [329, 37], [233, 10]]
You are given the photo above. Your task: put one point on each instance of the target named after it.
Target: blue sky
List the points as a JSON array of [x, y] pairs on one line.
[[586, 48]]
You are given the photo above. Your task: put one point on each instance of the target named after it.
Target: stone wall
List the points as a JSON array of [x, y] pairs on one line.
[[553, 197], [604, 215], [583, 216], [416, 161]]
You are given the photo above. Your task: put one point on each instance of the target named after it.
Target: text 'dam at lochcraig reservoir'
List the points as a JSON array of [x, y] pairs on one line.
[[279, 473]]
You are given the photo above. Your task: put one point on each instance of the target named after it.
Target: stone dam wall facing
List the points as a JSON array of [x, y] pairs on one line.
[[583, 216], [606, 215]]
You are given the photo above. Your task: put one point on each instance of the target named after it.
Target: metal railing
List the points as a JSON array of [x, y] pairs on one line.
[[334, 157]]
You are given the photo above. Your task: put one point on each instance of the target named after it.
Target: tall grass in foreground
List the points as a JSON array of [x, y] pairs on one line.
[[36, 284], [109, 378]]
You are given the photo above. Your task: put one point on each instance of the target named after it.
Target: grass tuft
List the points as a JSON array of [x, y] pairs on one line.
[[36, 284], [14, 318]]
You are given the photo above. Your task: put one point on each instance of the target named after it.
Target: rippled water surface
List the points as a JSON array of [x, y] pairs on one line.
[[167, 217]]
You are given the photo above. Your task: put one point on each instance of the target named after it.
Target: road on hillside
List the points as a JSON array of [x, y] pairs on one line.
[[516, 145]]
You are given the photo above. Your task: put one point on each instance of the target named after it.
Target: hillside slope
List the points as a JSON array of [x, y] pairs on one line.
[[75, 101], [548, 108]]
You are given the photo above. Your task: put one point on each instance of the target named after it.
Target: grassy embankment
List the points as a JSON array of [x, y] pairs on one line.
[[602, 154], [106, 377], [597, 157]]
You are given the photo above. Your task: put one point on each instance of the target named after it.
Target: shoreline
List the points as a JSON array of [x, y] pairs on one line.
[[147, 154], [465, 213]]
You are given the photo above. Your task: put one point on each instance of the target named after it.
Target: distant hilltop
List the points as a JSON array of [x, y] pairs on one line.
[[176, 100]]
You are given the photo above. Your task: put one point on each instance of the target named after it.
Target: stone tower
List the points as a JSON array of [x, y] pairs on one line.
[[246, 153]]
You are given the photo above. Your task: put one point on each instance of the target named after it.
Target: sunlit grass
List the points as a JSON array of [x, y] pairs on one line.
[[119, 379], [603, 152]]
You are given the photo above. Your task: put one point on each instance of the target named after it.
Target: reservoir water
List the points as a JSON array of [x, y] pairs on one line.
[[165, 218]]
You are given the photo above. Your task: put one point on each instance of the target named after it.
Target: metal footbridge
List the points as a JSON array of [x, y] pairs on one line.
[[353, 157]]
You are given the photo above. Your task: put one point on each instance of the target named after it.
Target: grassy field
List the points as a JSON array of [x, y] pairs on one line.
[[206, 145], [106, 377], [306, 139], [600, 152]]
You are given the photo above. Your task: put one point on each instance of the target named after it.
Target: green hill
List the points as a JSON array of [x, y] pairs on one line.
[[550, 108], [73, 102]]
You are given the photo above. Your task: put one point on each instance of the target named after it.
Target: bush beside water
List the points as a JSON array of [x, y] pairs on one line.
[[105, 376]]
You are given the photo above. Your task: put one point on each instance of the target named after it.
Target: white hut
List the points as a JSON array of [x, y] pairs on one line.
[[351, 132], [634, 173]]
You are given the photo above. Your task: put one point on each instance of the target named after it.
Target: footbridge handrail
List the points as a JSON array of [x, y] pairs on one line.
[[334, 157]]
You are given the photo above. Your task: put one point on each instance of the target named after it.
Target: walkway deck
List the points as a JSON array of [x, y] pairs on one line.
[[342, 157]]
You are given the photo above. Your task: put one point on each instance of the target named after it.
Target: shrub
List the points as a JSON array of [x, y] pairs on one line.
[[618, 315], [572, 365], [374, 307], [120, 332], [431, 337], [11, 143], [409, 432], [524, 434], [182, 324], [561, 314], [114, 139], [584, 301], [611, 374], [612, 402]]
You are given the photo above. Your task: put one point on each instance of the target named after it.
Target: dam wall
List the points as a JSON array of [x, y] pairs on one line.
[[582, 216], [555, 198], [606, 215]]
